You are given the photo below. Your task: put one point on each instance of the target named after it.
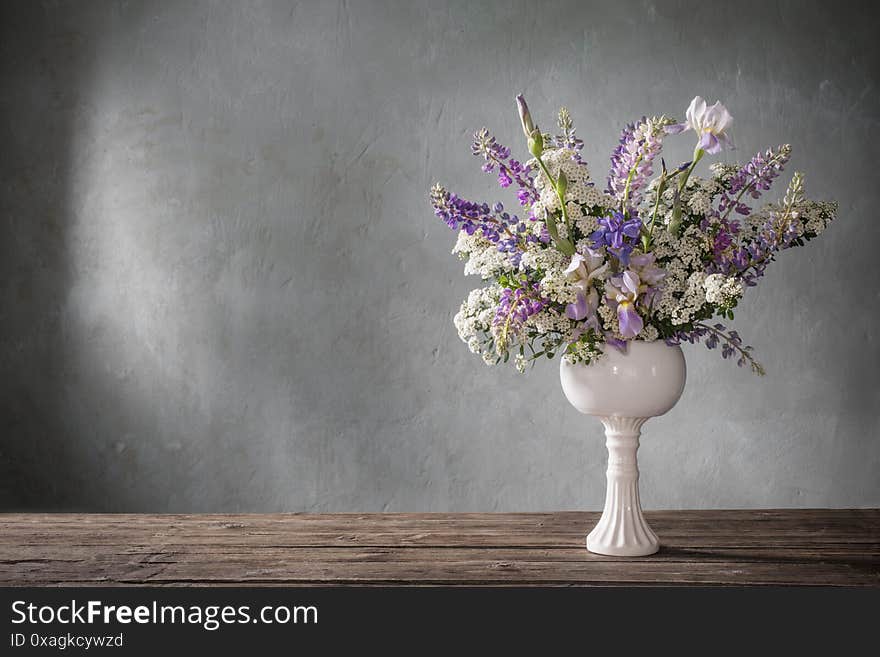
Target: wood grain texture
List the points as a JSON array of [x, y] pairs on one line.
[[778, 547]]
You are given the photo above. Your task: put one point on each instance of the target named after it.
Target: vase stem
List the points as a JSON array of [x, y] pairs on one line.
[[622, 529]]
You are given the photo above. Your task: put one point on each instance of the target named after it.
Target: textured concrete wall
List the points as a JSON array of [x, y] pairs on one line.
[[223, 289]]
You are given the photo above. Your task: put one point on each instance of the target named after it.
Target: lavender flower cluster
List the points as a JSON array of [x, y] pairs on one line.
[[579, 270]]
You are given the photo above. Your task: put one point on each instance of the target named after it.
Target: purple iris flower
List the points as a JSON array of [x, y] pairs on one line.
[[584, 308], [631, 323], [624, 290], [709, 122], [579, 309], [615, 229], [615, 233]]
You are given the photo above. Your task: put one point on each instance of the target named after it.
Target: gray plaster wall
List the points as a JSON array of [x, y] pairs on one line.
[[222, 287]]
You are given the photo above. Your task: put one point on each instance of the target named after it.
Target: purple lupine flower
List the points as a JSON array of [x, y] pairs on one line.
[[639, 145], [751, 260], [459, 214], [725, 236], [509, 170], [516, 306], [731, 343], [622, 159], [779, 231], [568, 139], [617, 233], [754, 178]]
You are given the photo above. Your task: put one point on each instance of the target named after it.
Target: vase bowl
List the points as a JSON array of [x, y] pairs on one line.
[[645, 381]]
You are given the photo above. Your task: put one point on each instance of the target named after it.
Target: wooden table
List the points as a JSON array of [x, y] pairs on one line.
[[803, 547]]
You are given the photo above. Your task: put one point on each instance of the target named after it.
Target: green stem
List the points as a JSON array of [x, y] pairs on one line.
[[562, 244], [646, 239], [629, 178], [675, 222]]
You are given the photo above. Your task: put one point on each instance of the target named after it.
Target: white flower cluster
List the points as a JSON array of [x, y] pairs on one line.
[[722, 290], [555, 285], [581, 194], [550, 321], [577, 173], [649, 333], [693, 299], [586, 225], [540, 257], [809, 218], [696, 197], [609, 318], [722, 172], [474, 319], [582, 352], [481, 257], [816, 215]]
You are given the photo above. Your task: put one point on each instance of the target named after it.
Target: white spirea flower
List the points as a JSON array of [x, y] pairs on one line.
[[582, 352], [579, 188], [482, 257], [699, 202], [693, 299], [474, 318], [722, 290]]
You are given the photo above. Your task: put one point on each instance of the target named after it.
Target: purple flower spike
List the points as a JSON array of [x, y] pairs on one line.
[[516, 306], [755, 177], [509, 170], [639, 144]]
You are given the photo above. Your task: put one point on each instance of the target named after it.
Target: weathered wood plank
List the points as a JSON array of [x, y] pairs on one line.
[[822, 547], [9, 557], [514, 573]]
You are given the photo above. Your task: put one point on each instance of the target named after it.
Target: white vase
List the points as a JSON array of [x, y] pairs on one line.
[[623, 390]]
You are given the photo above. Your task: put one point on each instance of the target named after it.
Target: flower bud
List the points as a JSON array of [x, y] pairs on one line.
[[536, 143], [524, 116], [561, 184]]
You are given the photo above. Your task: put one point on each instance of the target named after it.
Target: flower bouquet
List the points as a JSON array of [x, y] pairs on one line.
[[614, 277]]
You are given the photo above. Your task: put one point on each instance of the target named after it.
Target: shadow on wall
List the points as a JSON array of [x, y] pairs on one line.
[[42, 65], [92, 320], [46, 61]]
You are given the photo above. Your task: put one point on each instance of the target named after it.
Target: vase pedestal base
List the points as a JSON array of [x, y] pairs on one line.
[[622, 530]]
